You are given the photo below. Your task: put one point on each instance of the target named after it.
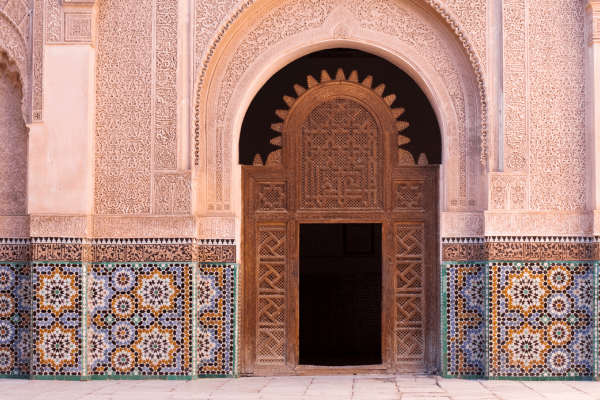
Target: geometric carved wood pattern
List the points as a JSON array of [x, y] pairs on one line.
[[340, 157], [271, 260], [272, 196], [409, 335], [409, 195]]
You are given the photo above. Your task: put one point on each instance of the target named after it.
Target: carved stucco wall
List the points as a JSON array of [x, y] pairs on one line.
[[13, 145], [139, 176], [556, 79], [136, 143], [543, 190], [136, 113], [123, 159], [14, 38], [545, 100], [15, 106], [399, 25]]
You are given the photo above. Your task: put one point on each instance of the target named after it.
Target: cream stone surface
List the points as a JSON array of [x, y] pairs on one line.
[[340, 387], [60, 149]]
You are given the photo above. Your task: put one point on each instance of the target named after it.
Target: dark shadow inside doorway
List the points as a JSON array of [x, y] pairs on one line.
[[340, 294]]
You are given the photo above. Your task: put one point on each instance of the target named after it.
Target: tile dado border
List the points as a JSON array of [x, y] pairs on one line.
[[118, 250], [15, 250], [519, 248]]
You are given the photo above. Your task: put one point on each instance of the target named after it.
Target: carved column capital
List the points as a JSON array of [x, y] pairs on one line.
[[593, 21], [597, 223]]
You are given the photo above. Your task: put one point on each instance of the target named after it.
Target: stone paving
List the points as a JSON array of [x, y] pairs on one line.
[[379, 387]]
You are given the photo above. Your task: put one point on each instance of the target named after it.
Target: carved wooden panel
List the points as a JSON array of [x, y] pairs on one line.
[[272, 196], [340, 156], [409, 335], [271, 260], [339, 142], [408, 195]]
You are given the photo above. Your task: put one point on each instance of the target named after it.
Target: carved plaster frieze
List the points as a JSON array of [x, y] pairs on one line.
[[596, 223], [124, 109], [38, 61], [515, 87], [18, 12], [556, 105], [213, 228], [78, 27], [165, 87], [14, 227], [538, 224], [172, 193], [72, 226], [144, 226], [508, 191], [593, 21], [54, 22], [136, 110], [474, 17], [462, 224]]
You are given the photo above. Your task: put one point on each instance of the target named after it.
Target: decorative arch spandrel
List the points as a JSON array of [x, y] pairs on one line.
[[257, 44], [466, 18]]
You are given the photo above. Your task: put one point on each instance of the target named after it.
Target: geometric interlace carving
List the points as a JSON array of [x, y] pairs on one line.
[[272, 196], [409, 333], [271, 294], [340, 157], [409, 195]]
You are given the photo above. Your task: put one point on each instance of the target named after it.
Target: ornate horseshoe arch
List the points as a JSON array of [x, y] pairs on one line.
[[341, 161], [269, 35]]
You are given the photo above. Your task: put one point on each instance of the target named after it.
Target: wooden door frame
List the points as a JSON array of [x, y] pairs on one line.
[[287, 174], [431, 311]]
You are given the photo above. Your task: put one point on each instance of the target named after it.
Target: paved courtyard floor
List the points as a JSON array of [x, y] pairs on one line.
[[380, 387]]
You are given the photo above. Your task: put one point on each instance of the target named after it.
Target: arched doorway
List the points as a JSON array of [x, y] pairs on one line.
[[339, 171]]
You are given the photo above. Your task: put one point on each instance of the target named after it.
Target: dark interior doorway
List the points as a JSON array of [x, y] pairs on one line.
[[340, 294]]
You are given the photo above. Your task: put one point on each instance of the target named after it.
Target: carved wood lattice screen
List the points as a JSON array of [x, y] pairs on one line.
[[409, 292], [271, 294], [340, 157]]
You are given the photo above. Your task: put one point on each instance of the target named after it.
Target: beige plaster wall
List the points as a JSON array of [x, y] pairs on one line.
[[60, 148]]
